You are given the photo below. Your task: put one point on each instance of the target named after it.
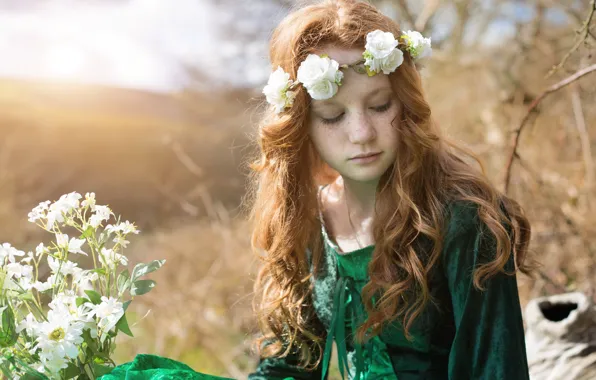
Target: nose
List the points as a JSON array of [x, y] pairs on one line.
[[360, 128]]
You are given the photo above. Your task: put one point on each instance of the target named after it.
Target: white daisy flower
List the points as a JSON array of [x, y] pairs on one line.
[[73, 246], [59, 335], [29, 324], [65, 267], [9, 252], [102, 213], [111, 259], [89, 200], [39, 212], [109, 312], [40, 250], [63, 206], [43, 286]]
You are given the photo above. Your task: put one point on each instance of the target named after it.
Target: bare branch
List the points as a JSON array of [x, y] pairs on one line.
[[580, 125], [403, 5], [584, 30], [532, 106], [430, 7]]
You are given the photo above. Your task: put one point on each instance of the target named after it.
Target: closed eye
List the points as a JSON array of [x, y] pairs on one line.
[[334, 120], [383, 108]]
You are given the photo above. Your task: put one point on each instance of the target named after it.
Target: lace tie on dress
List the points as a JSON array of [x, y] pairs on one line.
[[345, 300]]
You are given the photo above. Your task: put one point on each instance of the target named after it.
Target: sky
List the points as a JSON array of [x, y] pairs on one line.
[[147, 44], [136, 43]]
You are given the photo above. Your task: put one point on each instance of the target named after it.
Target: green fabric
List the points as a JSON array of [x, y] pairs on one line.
[[145, 367], [465, 334]]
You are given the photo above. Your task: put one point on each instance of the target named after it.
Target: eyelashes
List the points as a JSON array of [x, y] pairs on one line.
[[336, 119]]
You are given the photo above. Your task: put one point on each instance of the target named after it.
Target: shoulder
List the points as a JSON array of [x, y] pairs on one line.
[[461, 217]]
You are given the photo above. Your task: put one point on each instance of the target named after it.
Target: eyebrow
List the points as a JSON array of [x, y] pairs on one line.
[[369, 95]]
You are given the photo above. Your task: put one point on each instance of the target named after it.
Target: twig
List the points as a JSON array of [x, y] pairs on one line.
[[586, 30], [568, 10], [574, 228], [430, 7], [532, 106], [545, 277], [185, 159], [406, 10], [580, 124]]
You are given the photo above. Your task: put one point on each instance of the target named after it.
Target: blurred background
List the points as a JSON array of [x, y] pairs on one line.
[[152, 104]]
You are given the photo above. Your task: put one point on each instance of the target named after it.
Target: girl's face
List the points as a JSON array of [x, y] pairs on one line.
[[357, 120]]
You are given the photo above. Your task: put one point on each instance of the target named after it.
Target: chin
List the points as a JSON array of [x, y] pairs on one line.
[[365, 175]]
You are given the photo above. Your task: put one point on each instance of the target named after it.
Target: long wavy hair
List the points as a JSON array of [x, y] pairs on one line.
[[411, 198]]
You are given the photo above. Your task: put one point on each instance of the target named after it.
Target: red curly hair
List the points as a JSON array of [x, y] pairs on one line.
[[411, 197]]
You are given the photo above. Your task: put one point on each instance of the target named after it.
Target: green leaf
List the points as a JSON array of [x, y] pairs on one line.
[[122, 325], [141, 269], [103, 239], [81, 300], [125, 304], [101, 370], [88, 233], [94, 297], [28, 296], [101, 271], [91, 343], [8, 331], [123, 282], [8, 283], [141, 287], [31, 373], [34, 375], [71, 371]]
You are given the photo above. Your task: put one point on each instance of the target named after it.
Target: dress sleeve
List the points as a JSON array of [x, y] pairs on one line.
[[489, 341]]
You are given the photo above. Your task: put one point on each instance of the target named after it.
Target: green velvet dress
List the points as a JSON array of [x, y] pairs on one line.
[[465, 334]]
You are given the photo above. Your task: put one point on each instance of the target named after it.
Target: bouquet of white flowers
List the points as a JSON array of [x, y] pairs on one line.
[[65, 327]]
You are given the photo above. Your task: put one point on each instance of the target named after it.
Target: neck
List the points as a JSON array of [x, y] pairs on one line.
[[360, 197]]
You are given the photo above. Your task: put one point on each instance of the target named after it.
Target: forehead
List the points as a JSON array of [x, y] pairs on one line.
[[341, 55], [355, 87]]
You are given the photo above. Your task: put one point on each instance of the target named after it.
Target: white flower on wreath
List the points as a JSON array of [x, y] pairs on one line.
[[320, 76], [277, 90], [382, 54], [418, 46]]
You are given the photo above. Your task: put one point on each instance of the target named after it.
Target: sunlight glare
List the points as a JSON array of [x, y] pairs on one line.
[[66, 61]]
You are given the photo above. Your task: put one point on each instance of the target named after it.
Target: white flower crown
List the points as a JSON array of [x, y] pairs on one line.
[[321, 76]]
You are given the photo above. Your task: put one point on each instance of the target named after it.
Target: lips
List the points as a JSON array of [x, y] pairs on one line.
[[365, 155]]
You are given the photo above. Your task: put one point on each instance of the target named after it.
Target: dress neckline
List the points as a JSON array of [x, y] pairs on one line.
[[366, 251]]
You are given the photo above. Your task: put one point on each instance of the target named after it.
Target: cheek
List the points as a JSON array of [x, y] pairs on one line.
[[323, 140]]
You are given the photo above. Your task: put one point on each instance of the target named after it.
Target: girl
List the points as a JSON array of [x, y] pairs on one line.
[[376, 235]]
